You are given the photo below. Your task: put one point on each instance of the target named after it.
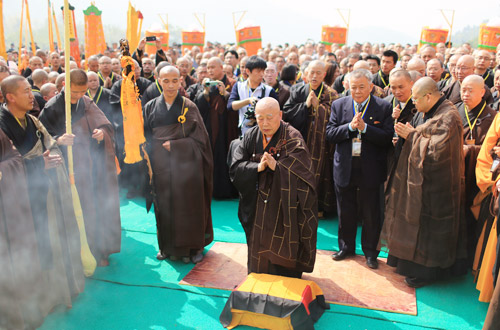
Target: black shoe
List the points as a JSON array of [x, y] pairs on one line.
[[161, 256], [341, 255], [372, 262], [416, 283]]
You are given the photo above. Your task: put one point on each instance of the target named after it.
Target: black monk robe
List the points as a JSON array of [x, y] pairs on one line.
[[278, 209], [182, 177], [312, 125], [52, 211], [222, 128], [95, 170]]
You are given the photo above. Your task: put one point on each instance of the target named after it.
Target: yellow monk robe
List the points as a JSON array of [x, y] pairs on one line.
[[486, 183]]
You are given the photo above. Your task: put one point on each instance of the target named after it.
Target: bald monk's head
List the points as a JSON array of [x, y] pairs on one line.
[[184, 66], [16, 92], [268, 116], [425, 94], [401, 84], [48, 91], [427, 53], [215, 68], [78, 84], [93, 63], [465, 67], [170, 80], [93, 81], [40, 77], [60, 82], [482, 61], [416, 64], [361, 64], [415, 75], [160, 66], [452, 65], [105, 65], [316, 72], [435, 69], [472, 91]]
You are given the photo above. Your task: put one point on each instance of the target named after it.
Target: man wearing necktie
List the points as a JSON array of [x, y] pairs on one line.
[[361, 126]]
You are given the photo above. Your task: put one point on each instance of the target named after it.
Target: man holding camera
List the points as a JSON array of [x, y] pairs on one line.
[[221, 125], [245, 94]]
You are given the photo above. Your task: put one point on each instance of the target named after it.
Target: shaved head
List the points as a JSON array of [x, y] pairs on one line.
[[39, 77], [361, 65], [78, 77], [424, 86], [319, 64], [472, 90], [168, 70], [268, 116], [416, 64], [10, 85], [465, 67], [215, 61]]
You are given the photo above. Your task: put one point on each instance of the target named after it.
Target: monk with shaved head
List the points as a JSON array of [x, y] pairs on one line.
[[425, 239], [477, 117], [482, 60], [182, 165], [308, 110], [221, 125], [94, 159], [465, 67], [274, 158], [106, 75]]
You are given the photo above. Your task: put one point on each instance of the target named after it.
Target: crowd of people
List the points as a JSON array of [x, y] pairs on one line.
[[401, 139]]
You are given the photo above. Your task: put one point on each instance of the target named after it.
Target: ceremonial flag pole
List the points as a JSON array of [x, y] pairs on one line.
[[33, 48], [3, 51], [59, 44], [51, 31], [88, 261]]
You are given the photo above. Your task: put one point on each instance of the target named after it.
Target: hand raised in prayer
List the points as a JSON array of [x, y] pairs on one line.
[[166, 145], [403, 130], [66, 140], [262, 165], [51, 161], [356, 123], [142, 44], [270, 161], [108, 83], [310, 99], [98, 134], [396, 112]]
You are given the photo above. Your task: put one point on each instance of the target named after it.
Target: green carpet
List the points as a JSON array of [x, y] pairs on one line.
[[138, 292]]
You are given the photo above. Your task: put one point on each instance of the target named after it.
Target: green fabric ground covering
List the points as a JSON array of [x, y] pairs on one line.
[[138, 292]]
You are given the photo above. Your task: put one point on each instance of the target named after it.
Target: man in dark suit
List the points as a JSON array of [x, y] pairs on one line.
[[362, 128]]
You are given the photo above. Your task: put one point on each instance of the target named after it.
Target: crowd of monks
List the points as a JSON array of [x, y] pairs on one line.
[[403, 140]]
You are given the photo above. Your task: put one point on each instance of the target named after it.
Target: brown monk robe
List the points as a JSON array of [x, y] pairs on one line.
[[493, 316], [477, 117], [221, 125], [430, 172], [20, 278], [464, 68], [182, 166], [308, 110], [272, 169], [49, 198], [94, 164]]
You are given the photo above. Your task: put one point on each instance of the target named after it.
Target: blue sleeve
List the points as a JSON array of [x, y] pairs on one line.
[[233, 97]]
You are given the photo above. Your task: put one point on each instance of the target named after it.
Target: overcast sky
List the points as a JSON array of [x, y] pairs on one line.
[[282, 20]]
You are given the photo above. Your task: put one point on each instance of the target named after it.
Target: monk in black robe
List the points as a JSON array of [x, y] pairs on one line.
[[308, 110], [154, 89], [221, 124], [94, 162], [49, 195], [132, 175], [99, 95], [476, 117], [272, 169], [430, 171], [106, 75], [182, 166]]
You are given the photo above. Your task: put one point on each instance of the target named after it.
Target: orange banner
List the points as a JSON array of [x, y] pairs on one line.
[[489, 37], [94, 33], [191, 39], [333, 35], [250, 39], [432, 37], [151, 45]]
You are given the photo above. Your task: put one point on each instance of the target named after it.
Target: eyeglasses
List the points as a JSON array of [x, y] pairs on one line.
[[415, 98], [462, 68]]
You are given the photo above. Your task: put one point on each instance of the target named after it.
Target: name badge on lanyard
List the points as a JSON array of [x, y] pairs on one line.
[[356, 147]]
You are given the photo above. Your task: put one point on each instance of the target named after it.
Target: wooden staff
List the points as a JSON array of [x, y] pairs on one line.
[[88, 261]]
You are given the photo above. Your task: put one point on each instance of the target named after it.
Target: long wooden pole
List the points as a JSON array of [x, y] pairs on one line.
[[33, 47], [88, 261], [59, 44], [19, 61]]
